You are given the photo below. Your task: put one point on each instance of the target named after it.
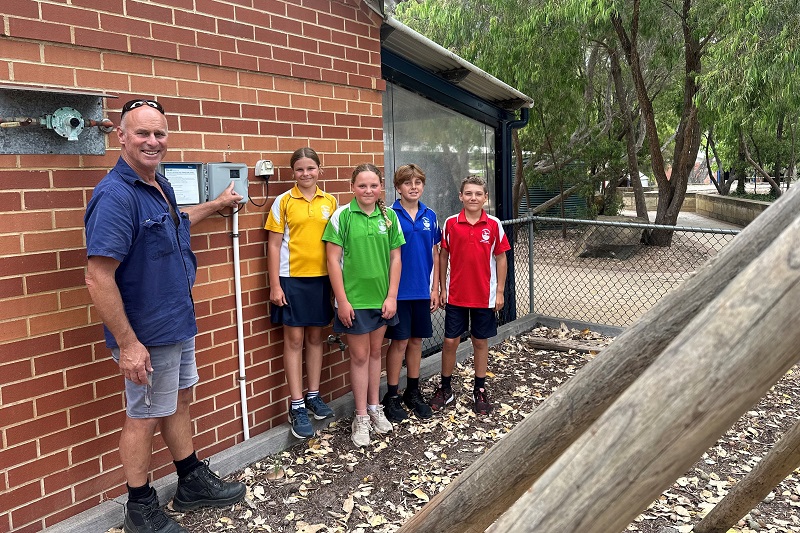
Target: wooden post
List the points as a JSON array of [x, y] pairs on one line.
[[778, 464], [701, 383], [510, 467]]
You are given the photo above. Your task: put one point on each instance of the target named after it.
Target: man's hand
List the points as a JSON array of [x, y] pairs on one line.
[[134, 363], [228, 198]]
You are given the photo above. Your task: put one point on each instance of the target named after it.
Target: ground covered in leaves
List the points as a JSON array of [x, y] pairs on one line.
[[326, 484]]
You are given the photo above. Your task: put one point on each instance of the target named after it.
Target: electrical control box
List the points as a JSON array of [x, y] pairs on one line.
[[220, 175], [195, 183]]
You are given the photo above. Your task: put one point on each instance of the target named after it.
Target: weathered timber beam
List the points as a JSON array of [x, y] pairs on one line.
[[690, 395], [511, 466]]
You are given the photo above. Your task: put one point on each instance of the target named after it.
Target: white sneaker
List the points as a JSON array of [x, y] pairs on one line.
[[360, 427], [379, 421]]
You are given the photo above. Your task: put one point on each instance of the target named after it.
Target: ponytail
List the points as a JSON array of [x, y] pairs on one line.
[[382, 207]]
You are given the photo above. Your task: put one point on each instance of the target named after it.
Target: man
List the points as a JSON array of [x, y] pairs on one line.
[[140, 274]]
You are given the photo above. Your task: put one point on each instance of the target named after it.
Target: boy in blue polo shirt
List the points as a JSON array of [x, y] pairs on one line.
[[417, 297]]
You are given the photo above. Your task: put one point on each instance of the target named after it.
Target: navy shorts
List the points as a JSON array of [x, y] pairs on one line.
[[366, 321], [457, 319], [415, 320], [308, 302]]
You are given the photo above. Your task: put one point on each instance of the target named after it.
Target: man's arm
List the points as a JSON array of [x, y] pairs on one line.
[[502, 270], [227, 198], [134, 359]]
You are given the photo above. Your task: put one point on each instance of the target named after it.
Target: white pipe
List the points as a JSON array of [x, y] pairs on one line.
[[237, 284]]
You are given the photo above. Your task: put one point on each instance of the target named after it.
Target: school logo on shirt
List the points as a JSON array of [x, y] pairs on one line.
[[485, 235], [382, 227], [426, 223], [326, 211]]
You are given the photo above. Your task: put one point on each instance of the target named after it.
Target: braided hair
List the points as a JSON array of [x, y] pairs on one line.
[[369, 167]]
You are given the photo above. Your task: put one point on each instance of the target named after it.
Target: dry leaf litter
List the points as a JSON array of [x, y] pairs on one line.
[[327, 485]]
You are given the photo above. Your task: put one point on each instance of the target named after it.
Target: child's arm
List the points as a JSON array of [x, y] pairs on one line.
[[389, 307], [502, 270], [276, 295], [344, 309], [435, 277], [444, 257]]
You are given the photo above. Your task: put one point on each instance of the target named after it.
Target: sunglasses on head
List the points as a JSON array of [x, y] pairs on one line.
[[133, 104]]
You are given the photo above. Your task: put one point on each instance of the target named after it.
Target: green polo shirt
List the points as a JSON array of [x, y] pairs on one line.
[[366, 242]]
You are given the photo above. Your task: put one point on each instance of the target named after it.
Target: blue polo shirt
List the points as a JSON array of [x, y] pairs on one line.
[[421, 234], [128, 220]]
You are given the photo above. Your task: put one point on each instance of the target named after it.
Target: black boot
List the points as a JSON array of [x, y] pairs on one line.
[[146, 516], [203, 488]]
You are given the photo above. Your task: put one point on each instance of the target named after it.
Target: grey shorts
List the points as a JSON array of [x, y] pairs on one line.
[[174, 368]]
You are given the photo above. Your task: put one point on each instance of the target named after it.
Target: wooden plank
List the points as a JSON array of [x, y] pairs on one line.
[[778, 464], [510, 467], [700, 385], [563, 345]]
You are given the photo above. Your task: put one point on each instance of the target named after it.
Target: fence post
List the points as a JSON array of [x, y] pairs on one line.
[[530, 265]]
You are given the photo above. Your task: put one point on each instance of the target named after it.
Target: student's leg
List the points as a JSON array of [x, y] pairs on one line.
[[480, 350], [375, 343], [413, 355], [394, 361], [359, 348], [313, 337], [449, 348], [293, 360]]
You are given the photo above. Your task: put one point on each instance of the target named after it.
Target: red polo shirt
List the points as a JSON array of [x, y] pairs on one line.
[[472, 278]]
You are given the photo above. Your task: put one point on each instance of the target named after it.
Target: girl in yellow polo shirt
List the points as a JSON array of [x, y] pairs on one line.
[[300, 292]]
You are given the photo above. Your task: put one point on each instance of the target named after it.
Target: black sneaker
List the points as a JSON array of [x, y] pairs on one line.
[[441, 398], [147, 517], [203, 488], [482, 404], [417, 404], [393, 409], [301, 425]]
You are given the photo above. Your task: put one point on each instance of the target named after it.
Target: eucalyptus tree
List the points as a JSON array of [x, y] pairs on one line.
[[576, 135]]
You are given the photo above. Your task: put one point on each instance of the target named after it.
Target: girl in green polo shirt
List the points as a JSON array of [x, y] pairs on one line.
[[363, 240]]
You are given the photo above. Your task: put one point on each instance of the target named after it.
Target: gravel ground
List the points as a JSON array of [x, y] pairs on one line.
[[326, 484]]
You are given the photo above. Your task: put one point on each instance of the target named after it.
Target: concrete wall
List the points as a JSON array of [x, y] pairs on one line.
[[240, 81], [651, 200], [734, 210]]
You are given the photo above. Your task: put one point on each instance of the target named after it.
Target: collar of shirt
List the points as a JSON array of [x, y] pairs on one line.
[[355, 208], [398, 208], [462, 218], [297, 193]]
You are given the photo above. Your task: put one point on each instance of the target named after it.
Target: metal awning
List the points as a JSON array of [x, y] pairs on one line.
[[418, 49]]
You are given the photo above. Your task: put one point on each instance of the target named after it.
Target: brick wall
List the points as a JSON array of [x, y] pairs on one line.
[[241, 80]]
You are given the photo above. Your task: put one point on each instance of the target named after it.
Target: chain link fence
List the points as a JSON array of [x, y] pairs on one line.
[[600, 271], [593, 271]]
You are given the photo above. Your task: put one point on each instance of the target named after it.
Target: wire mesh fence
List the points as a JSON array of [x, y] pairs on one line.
[[601, 271], [594, 271]]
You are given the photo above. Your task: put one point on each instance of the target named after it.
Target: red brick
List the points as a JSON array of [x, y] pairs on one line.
[[62, 400], [271, 66], [333, 77], [29, 305], [97, 409], [328, 21], [14, 371], [82, 336], [215, 8], [33, 429], [89, 373], [25, 221], [240, 127], [235, 29], [257, 49], [99, 483], [50, 281], [172, 34], [23, 350], [304, 72], [287, 54], [73, 16], [71, 218], [201, 124], [72, 258], [68, 437], [44, 506], [20, 496], [344, 38], [149, 12], [314, 60], [53, 240], [87, 450], [154, 48], [287, 25], [108, 6], [101, 39], [114, 62], [35, 29], [121, 24], [31, 388], [199, 55], [22, 9], [198, 21], [70, 56], [331, 49]]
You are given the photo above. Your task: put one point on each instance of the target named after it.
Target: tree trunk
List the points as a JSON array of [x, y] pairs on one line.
[[741, 165], [776, 169], [509, 468], [778, 464], [701, 384], [776, 190], [520, 185]]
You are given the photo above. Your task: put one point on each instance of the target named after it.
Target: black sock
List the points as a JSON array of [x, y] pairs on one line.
[[186, 466], [392, 392], [138, 494], [446, 382], [480, 383], [412, 384]]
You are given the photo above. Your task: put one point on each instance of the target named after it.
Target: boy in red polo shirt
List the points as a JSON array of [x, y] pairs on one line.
[[474, 245]]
